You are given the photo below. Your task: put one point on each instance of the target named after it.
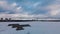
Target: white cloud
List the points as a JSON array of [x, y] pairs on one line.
[[19, 8], [3, 4], [54, 9], [22, 16], [14, 5], [36, 4], [55, 12], [11, 7]]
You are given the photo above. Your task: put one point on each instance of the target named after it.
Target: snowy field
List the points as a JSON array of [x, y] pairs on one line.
[[36, 28]]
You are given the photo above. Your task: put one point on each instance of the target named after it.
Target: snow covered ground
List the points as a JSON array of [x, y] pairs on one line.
[[36, 28]]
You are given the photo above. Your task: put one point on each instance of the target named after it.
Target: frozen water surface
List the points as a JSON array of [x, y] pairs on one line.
[[36, 28]]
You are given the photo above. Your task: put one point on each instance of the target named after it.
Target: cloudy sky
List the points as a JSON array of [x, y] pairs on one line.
[[30, 8]]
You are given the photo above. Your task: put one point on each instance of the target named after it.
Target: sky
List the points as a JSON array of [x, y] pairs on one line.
[[30, 8]]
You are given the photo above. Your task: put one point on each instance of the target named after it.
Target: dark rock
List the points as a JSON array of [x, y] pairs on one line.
[[12, 24], [19, 27], [25, 25]]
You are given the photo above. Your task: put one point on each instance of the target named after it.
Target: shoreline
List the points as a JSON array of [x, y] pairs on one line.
[[29, 20]]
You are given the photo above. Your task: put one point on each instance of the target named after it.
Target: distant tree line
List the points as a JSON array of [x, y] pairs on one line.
[[5, 18]]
